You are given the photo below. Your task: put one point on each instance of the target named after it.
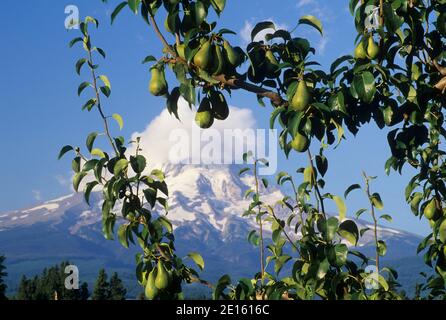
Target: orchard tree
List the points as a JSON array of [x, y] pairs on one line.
[[3, 275], [117, 289], [101, 289], [395, 77]]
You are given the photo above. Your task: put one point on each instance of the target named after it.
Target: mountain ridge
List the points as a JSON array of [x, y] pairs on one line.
[[206, 207]]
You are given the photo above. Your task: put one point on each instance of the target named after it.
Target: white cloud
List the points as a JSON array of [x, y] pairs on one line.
[[164, 135], [245, 33], [37, 195], [302, 3], [63, 181]]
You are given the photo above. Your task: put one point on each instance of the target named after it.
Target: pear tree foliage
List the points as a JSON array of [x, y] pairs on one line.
[[394, 78]]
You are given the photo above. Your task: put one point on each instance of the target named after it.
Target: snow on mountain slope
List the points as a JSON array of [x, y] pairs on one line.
[[206, 208]]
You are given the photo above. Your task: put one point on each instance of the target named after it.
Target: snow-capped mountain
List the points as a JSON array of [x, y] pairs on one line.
[[206, 207]]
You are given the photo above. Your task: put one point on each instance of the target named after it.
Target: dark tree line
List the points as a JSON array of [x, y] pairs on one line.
[[50, 285], [3, 275], [108, 290]]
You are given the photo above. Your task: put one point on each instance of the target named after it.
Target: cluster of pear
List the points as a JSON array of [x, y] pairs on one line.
[[212, 107], [434, 213], [159, 279], [158, 84], [432, 210], [215, 58], [300, 103], [264, 64], [367, 48]]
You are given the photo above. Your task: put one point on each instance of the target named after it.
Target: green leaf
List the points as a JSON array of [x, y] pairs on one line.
[[120, 167], [376, 201], [261, 26], [322, 164], [187, 91], [332, 225], [106, 91], [101, 52], [364, 84], [90, 140], [150, 195], [98, 153], [119, 120], [138, 163], [312, 21], [350, 189], [322, 269], [133, 5], [383, 282], [76, 164], [82, 87], [90, 165], [253, 238], [265, 182], [64, 150], [337, 255], [342, 209], [197, 258], [74, 41], [218, 5], [117, 10], [242, 171], [106, 81], [89, 104], [148, 59], [386, 217], [77, 179], [274, 115], [349, 231], [92, 20], [122, 235], [88, 189], [79, 65], [382, 248], [166, 223]]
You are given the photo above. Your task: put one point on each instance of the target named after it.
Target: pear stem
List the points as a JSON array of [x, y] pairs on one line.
[[375, 221]]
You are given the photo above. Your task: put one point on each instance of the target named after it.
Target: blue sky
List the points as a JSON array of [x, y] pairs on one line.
[[41, 110]]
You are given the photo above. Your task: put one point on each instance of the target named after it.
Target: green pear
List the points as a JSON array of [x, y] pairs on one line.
[[389, 115], [271, 65], [181, 50], [187, 23], [203, 58], [301, 98], [199, 12], [158, 84], [431, 211], [220, 107], [162, 276], [300, 143], [151, 290], [372, 49], [231, 55], [442, 232], [204, 117], [219, 61], [360, 51]]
